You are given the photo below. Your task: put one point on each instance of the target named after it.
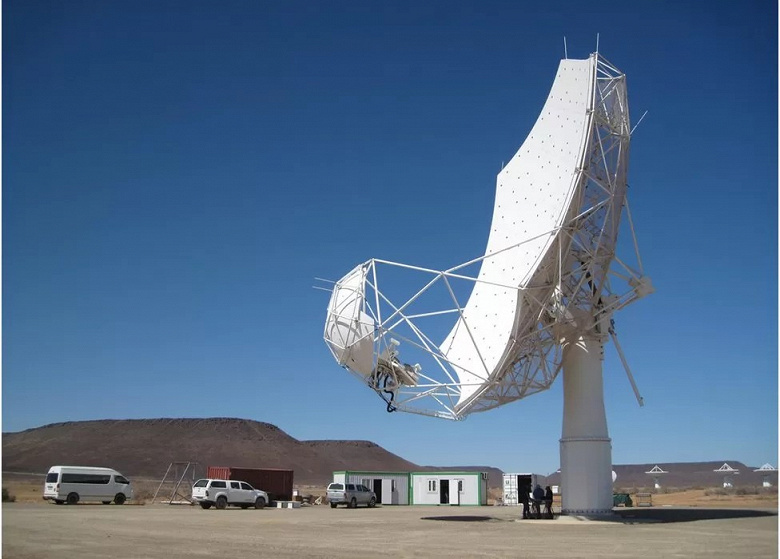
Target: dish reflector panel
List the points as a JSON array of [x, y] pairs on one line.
[[534, 193]]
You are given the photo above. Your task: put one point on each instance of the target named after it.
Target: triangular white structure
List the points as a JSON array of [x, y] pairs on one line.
[[728, 471], [656, 471], [767, 469]]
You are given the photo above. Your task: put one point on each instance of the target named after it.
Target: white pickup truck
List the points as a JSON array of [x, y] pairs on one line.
[[223, 492]]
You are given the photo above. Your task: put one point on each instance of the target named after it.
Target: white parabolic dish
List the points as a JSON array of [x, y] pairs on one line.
[[546, 276]]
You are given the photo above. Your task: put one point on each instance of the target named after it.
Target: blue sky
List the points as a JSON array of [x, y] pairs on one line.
[[175, 174]]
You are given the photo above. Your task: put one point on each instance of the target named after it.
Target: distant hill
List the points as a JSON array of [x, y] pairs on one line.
[[681, 475], [145, 448]]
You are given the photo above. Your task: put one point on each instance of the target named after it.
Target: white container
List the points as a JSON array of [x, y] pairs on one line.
[[512, 484]]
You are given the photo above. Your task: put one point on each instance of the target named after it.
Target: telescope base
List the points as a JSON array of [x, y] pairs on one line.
[[586, 449]]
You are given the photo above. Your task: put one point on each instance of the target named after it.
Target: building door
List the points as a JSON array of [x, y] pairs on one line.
[[378, 490], [444, 492], [510, 490], [525, 484], [388, 495], [457, 489]]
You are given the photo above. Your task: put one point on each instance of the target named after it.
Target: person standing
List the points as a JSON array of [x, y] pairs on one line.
[[548, 501], [523, 492], [538, 497]]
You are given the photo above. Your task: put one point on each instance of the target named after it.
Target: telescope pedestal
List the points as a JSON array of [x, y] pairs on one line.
[[586, 449]]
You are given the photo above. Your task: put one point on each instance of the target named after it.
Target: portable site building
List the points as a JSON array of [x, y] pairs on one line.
[[391, 488], [449, 488], [513, 483]]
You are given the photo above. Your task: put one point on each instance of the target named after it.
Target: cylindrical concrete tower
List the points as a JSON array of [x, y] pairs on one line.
[[586, 449]]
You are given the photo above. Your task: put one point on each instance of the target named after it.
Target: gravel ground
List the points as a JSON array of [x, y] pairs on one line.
[[41, 530]]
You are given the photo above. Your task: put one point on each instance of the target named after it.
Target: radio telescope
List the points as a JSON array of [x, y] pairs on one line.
[[500, 327], [656, 472], [767, 469], [728, 474]]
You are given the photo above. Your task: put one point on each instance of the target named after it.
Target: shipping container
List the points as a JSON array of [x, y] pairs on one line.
[[219, 472], [514, 483], [277, 483]]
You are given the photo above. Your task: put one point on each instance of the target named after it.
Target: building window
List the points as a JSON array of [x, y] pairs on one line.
[[431, 486]]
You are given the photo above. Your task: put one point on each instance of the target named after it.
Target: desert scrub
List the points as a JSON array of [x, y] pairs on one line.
[[741, 491], [7, 497]]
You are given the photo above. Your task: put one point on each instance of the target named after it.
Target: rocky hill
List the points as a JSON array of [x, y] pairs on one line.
[[145, 448]]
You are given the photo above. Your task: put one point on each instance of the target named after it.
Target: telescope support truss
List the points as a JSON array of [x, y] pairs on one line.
[[552, 290], [381, 337]]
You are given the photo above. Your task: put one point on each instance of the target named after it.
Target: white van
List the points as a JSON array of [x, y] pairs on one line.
[[71, 484]]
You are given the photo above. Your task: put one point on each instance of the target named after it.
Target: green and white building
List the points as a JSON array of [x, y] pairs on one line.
[[391, 488], [421, 488]]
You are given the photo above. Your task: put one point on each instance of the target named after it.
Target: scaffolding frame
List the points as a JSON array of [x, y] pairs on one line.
[[176, 474]]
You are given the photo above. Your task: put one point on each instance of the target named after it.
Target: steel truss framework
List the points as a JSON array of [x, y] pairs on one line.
[[179, 478], [573, 292]]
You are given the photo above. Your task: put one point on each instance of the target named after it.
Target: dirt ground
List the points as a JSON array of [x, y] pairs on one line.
[[701, 498], [42, 531], [694, 523]]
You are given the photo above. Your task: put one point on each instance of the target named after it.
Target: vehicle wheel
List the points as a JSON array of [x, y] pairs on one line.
[[353, 503], [372, 503], [333, 505], [119, 499], [205, 506], [260, 503], [221, 503], [72, 499], [59, 501], [106, 502]]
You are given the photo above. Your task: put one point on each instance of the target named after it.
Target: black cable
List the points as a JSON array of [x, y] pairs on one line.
[[390, 407]]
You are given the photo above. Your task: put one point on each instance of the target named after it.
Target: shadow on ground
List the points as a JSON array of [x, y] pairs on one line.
[[633, 515], [460, 518], [687, 514]]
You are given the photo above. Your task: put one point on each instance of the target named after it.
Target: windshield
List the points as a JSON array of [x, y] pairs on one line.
[[52, 477], [201, 483], [335, 487]]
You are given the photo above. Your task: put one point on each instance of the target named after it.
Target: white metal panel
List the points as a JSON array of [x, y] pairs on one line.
[[510, 490], [348, 330], [456, 489], [533, 195], [389, 494], [401, 493], [339, 477]]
